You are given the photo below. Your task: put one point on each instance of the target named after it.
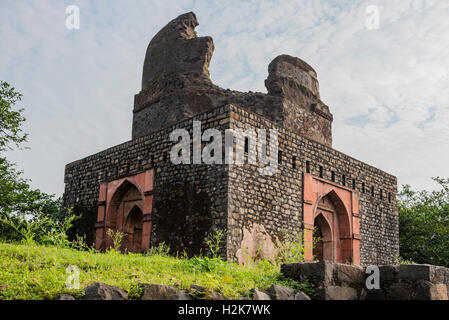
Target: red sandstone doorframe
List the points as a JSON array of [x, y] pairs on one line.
[[347, 201], [143, 182]]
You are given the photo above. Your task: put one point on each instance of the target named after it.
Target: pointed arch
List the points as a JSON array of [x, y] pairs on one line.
[[344, 216], [132, 228], [327, 203], [127, 199], [121, 201], [323, 233]]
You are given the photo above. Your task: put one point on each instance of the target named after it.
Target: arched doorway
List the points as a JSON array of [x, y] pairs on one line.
[[125, 215], [119, 202], [133, 230], [331, 230], [323, 247], [339, 208]]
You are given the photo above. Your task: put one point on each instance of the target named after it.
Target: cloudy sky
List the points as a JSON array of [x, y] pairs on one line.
[[388, 88]]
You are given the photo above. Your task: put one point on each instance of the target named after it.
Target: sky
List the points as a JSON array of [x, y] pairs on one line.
[[386, 83]]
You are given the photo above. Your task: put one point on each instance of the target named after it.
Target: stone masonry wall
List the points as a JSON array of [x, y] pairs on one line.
[[273, 204]]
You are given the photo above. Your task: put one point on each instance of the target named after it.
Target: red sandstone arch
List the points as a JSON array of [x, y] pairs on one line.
[[334, 209], [324, 248], [126, 205], [334, 212], [133, 230]]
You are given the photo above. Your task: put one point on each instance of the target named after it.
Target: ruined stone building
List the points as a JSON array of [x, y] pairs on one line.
[[317, 190]]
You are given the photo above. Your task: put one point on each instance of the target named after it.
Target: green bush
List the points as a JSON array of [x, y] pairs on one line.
[[424, 224], [40, 229]]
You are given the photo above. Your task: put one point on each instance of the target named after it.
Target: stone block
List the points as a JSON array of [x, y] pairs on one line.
[[426, 290], [398, 291], [65, 297], [349, 275], [260, 295], [427, 272], [318, 273], [204, 293], [162, 292], [302, 296], [337, 293], [277, 292], [415, 272], [388, 273], [103, 291]]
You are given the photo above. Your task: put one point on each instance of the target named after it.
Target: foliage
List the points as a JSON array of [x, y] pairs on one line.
[[117, 239], [27, 230], [399, 260], [161, 249], [214, 241], [424, 224], [204, 264], [56, 230], [39, 272], [17, 198], [40, 228], [305, 286], [79, 243], [290, 249], [16, 195], [135, 292], [10, 120]]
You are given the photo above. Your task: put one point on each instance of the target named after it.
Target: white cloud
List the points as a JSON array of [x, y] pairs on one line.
[[387, 88]]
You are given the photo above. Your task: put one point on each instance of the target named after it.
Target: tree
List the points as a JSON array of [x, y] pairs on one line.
[[424, 224], [10, 120], [16, 195]]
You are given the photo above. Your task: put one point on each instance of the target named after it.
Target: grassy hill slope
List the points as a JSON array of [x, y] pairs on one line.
[[39, 272]]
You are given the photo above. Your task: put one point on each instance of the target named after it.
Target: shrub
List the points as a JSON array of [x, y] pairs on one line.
[[161, 249], [40, 229], [117, 239], [290, 249], [214, 241]]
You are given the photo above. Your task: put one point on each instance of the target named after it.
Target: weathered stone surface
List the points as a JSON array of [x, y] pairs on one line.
[[176, 85], [214, 295], [177, 49], [162, 292], [260, 295], [302, 296], [103, 291], [398, 291], [413, 272], [286, 71], [426, 290], [337, 293], [349, 275], [277, 292], [319, 273], [388, 273], [65, 297], [439, 292], [339, 281], [204, 293]]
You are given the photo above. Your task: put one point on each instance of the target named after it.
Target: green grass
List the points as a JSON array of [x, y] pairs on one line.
[[39, 272]]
